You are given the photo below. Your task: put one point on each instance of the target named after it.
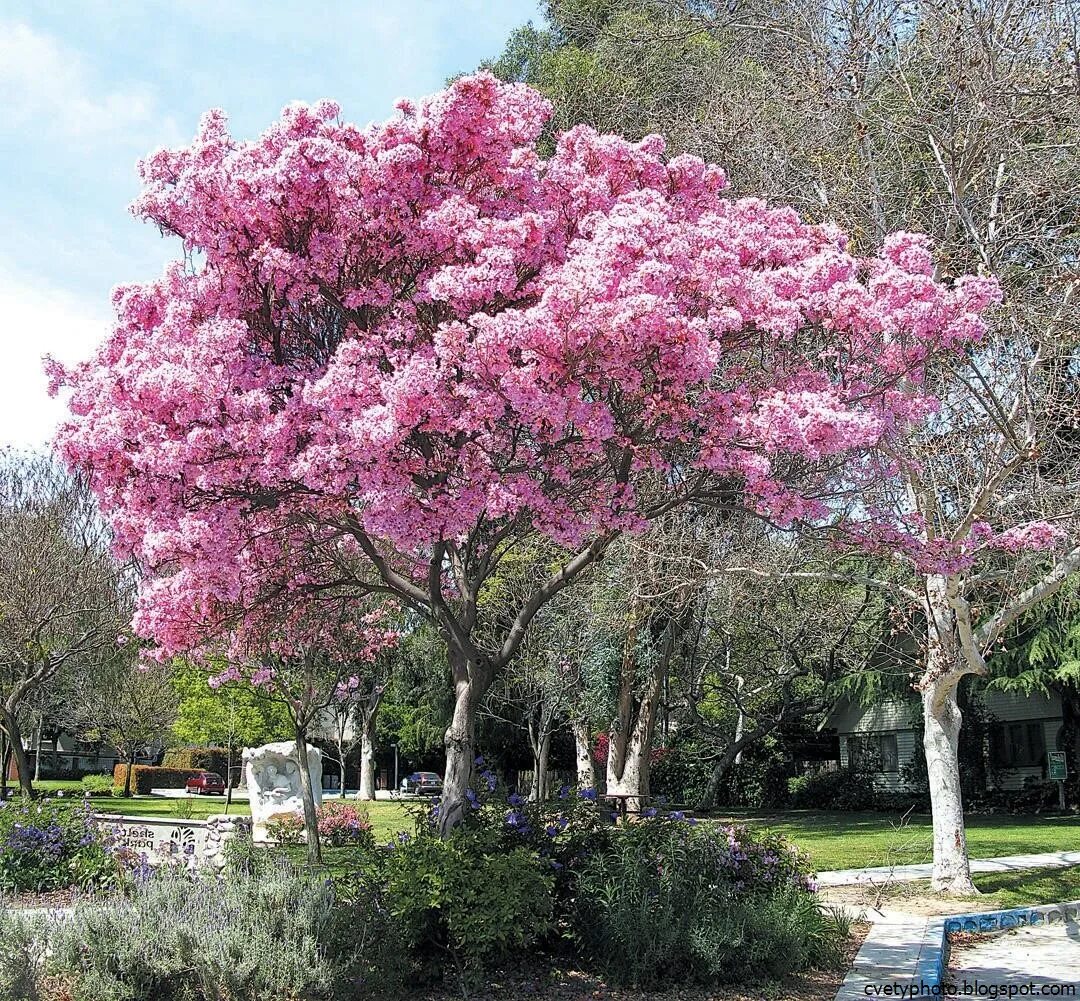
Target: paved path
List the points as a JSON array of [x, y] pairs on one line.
[[889, 957], [1040, 955], [907, 873]]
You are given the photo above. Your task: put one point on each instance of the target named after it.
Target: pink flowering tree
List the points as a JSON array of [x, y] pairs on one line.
[[391, 354]]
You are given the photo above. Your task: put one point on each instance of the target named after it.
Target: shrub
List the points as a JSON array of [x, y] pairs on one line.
[[465, 897], [671, 899], [51, 845], [340, 823], [282, 934], [840, 790], [144, 778], [208, 759], [97, 785], [22, 953]]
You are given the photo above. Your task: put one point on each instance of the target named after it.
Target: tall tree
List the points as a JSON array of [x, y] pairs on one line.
[[233, 715], [124, 704], [960, 120], [60, 588], [407, 348]]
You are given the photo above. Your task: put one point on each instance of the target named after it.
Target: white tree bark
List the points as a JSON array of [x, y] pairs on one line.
[[367, 758], [586, 769], [941, 720], [460, 743], [950, 654]]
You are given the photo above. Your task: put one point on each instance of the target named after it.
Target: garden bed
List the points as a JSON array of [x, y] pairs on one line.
[[546, 984]]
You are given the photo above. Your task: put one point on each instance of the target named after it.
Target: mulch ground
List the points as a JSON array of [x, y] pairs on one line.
[[54, 898], [571, 985]]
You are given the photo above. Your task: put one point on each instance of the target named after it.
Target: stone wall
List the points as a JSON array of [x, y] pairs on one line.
[[161, 840]]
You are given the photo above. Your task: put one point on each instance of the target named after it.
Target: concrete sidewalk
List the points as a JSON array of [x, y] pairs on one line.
[[908, 873]]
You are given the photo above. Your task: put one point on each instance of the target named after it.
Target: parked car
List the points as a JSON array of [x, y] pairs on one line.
[[205, 784], [421, 784]]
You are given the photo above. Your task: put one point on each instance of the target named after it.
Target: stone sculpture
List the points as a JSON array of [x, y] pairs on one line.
[[273, 782]]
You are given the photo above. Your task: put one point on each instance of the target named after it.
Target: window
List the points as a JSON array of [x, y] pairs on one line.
[[874, 752], [1018, 745]]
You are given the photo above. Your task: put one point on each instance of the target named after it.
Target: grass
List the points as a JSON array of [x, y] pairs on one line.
[[833, 840], [997, 891], [1035, 886], [387, 817], [854, 840]]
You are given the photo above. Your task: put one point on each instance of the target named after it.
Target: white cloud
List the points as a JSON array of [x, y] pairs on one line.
[[35, 321], [46, 87]]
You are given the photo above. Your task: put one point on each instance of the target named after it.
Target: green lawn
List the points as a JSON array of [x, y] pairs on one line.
[[834, 840], [856, 840], [997, 891], [387, 818]]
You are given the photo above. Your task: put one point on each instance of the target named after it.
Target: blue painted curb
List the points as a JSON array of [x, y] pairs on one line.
[[1018, 917], [933, 959], [934, 953]]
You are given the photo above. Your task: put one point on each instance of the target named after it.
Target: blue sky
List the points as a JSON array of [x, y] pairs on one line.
[[87, 87]]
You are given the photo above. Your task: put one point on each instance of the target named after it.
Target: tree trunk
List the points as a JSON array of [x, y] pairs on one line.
[[228, 775], [5, 763], [586, 768], [460, 740], [541, 756], [948, 659], [22, 764], [952, 871], [342, 755], [127, 772], [311, 819], [630, 746], [367, 757]]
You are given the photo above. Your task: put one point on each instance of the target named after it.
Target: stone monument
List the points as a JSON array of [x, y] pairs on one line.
[[273, 782]]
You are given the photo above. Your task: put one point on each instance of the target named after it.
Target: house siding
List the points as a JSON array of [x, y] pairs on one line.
[[900, 718]]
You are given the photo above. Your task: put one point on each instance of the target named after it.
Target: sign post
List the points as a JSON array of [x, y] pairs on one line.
[[1058, 772]]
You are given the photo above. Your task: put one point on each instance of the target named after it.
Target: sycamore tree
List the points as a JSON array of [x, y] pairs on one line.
[[233, 715], [392, 354], [959, 120]]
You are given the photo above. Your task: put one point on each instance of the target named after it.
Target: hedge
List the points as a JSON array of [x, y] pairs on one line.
[[211, 759], [147, 777]]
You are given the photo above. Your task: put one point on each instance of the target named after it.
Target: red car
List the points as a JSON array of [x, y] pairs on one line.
[[205, 784]]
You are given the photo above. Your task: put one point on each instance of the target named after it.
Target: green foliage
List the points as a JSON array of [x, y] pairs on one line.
[[466, 898], [97, 785], [673, 900], [844, 789], [52, 845], [278, 936], [210, 759], [236, 714]]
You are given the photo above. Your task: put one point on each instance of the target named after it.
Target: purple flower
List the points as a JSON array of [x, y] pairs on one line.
[[474, 800], [478, 761], [564, 791], [489, 777], [650, 812], [589, 794], [514, 799]]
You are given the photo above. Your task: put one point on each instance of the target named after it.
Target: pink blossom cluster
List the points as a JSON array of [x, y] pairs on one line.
[[421, 327]]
